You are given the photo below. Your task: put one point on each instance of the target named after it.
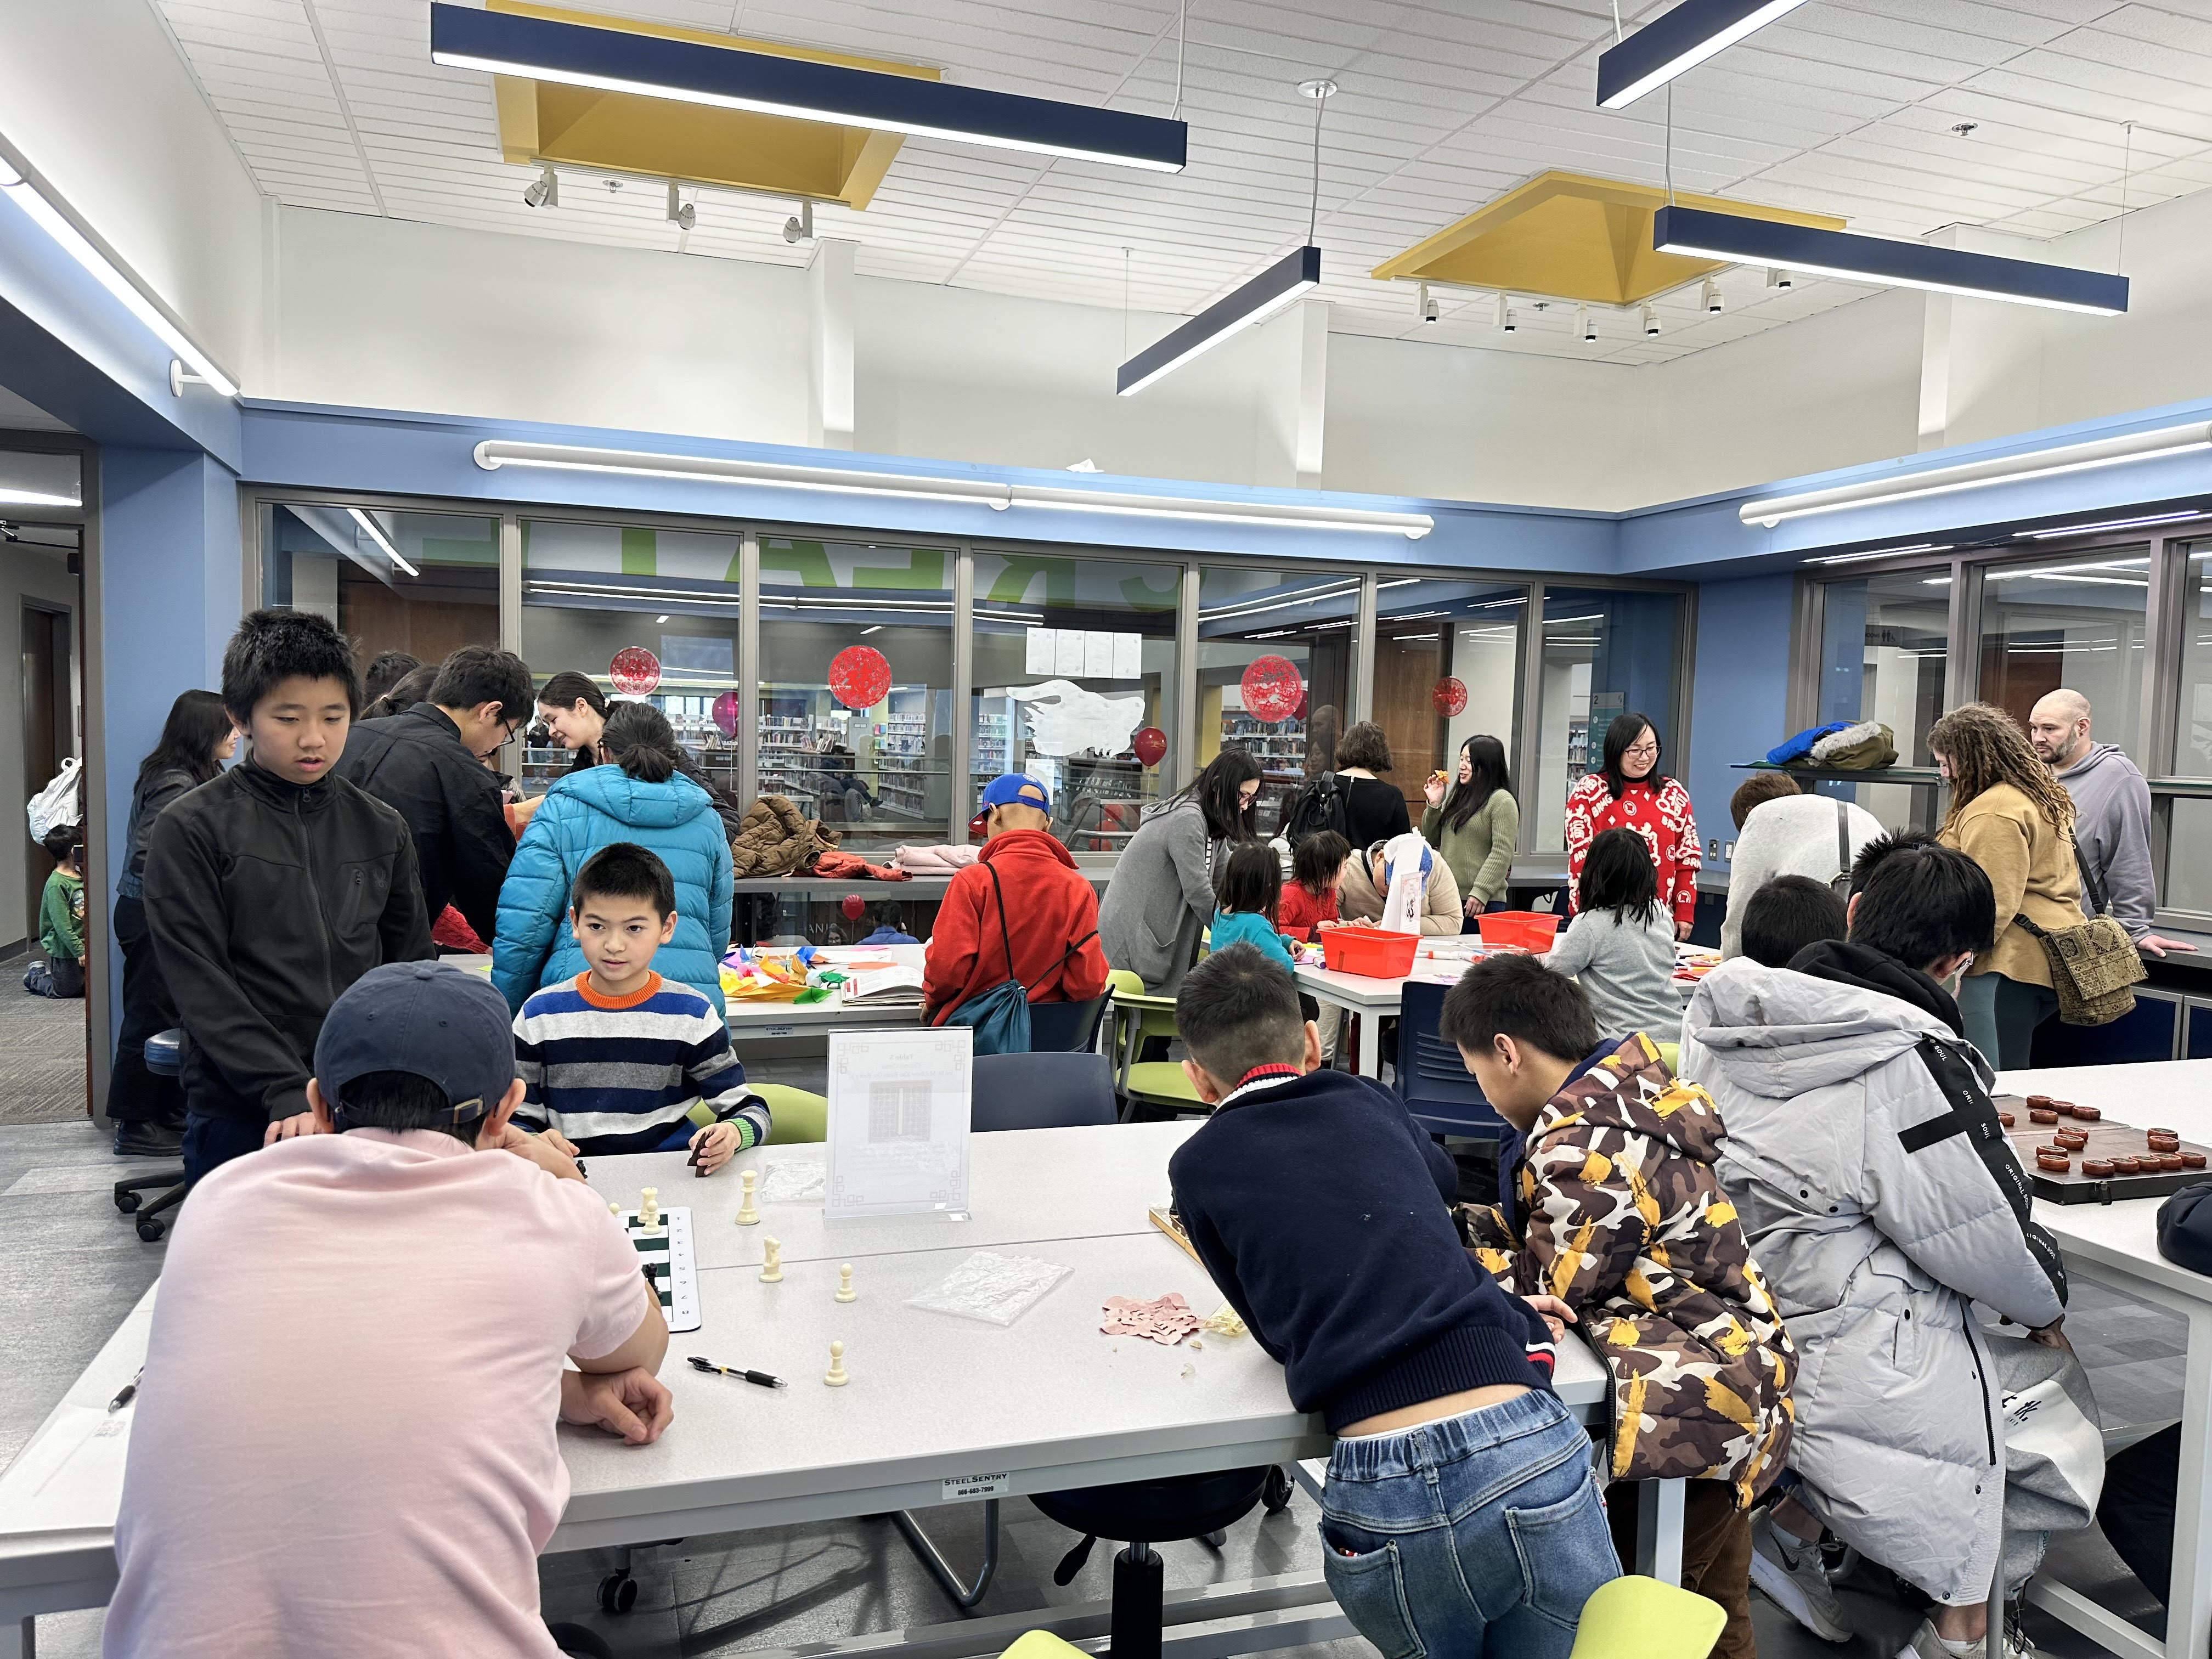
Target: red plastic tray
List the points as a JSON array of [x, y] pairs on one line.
[[1369, 951], [1532, 930]]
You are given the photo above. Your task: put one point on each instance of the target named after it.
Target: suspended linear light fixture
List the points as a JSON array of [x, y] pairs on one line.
[[1877, 259], [727, 77], [1296, 273], [1682, 39]]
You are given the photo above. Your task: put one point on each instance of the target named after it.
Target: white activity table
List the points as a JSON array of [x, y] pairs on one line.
[[934, 1403], [2117, 1244]]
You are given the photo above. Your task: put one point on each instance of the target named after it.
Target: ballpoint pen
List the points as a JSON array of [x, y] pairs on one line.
[[130, 1389], [761, 1378]]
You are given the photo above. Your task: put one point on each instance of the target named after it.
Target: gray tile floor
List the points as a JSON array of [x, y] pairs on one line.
[[42, 1044], [58, 1229]]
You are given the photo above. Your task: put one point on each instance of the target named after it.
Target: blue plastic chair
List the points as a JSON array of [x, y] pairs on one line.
[[1062, 1027], [1432, 1080], [1041, 1092]]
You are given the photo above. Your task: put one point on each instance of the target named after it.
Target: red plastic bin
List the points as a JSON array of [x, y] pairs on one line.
[[1369, 951], [1531, 930]]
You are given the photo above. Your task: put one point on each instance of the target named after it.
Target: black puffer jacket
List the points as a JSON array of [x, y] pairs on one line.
[[267, 899], [415, 763]]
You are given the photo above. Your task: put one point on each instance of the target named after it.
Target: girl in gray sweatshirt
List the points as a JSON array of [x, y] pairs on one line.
[[1620, 944]]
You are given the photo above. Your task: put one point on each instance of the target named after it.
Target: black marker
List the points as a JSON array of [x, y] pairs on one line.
[[761, 1378], [130, 1389]]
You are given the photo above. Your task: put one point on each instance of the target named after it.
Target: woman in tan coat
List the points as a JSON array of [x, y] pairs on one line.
[[2012, 817]]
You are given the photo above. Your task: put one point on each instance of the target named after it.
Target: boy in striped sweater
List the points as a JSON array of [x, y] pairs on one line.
[[616, 1060]]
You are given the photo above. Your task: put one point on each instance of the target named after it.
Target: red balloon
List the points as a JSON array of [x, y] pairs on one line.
[[636, 672], [1149, 744], [1450, 696], [726, 714], [851, 904], [1272, 688], [859, 675]]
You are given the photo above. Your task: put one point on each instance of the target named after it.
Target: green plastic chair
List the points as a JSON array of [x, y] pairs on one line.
[[1139, 1014], [1042, 1645], [795, 1115], [1638, 1618]]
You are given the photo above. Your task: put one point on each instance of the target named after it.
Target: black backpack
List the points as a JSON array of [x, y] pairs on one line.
[[1318, 805]]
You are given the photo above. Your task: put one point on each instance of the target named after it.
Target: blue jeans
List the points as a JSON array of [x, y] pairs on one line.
[[210, 1142], [1473, 1537], [1468, 925]]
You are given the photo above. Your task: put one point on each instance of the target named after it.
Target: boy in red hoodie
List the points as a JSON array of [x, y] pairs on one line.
[[1024, 887]]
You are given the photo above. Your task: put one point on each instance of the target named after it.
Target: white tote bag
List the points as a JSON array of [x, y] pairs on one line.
[[59, 804]]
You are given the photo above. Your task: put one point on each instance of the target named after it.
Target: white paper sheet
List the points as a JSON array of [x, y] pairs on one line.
[[1128, 656], [898, 1122], [1067, 652], [1038, 651], [1098, 655], [70, 1477]]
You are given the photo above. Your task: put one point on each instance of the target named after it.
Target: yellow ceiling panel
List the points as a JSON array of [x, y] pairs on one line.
[[1565, 236], [666, 138]]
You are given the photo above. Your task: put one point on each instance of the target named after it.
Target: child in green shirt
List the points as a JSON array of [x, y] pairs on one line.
[[61, 919]]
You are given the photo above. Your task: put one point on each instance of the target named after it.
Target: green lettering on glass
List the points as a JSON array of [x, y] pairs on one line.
[[444, 549], [924, 571], [1141, 595], [641, 553], [808, 559], [1013, 586]]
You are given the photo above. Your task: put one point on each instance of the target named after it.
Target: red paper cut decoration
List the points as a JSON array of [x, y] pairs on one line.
[[1450, 696], [851, 904], [726, 714], [1272, 690], [1149, 744], [859, 675], [635, 672]]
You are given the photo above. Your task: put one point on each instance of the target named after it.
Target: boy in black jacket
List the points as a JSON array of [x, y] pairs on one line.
[[272, 888], [1461, 1506]]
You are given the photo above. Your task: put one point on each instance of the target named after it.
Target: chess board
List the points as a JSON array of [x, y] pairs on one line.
[[664, 1254], [2107, 1140]]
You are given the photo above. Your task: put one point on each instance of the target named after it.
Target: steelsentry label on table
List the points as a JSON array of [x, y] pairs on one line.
[[974, 1486]]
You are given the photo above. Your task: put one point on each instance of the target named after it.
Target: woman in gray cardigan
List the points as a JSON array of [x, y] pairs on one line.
[[1161, 896]]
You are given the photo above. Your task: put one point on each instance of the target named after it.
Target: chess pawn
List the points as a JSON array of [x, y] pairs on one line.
[[845, 1290], [747, 1215], [648, 1207], [771, 1262], [837, 1377], [615, 1210]]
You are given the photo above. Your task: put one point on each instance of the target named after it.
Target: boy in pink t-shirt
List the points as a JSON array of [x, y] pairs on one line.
[[344, 1442]]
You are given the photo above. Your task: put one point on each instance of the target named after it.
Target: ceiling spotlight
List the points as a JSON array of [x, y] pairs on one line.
[[544, 190], [800, 227], [1587, 323], [1428, 312], [1712, 299], [681, 214], [1504, 314], [1650, 321], [1778, 278]]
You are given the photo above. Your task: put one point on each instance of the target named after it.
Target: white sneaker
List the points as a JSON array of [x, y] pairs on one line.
[[1789, 1573], [1926, 1644]]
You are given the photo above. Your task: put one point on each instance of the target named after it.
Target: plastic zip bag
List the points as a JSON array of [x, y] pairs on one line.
[[995, 1288], [793, 1180]]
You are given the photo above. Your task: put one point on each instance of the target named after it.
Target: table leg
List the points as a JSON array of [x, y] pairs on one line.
[[1659, 1530], [2189, 1602], [1370, 1047]]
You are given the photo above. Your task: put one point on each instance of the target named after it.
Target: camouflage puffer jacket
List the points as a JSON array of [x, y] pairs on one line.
[[1627, 1225]]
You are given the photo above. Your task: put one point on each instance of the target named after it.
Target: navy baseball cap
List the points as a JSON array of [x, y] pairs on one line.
[[1016, 789], [443, 1024]]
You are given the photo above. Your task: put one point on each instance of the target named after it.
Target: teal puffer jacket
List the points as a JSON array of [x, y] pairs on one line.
[[582, 812]]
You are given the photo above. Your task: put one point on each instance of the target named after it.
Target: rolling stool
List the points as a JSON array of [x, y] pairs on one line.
[[1141, 1514], [165, 1053]]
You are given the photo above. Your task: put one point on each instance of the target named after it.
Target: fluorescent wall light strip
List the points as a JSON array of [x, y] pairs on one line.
[[2010, 468], [106, 269], [35, 498], [1885, 553], [1878, 259], [1296, 273], [2110, 524], [1682, 39], [370, 528], [724, 78], [1412, 526]]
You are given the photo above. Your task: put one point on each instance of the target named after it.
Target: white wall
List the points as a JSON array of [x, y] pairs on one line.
[[95, 95]]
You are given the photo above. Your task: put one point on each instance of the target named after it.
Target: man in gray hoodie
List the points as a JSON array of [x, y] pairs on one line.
[[2112, 814]]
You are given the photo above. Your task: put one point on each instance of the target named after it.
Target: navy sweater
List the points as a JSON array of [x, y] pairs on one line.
[[1323, 1212]]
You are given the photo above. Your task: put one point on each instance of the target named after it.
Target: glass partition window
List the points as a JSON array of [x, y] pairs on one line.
[[1446, 667], [1885, 647], [1075, 684], [2077, 624], [2193, 725], [424, 583], [639, 612], [881, 773], [1304, 618], [1606, 650]]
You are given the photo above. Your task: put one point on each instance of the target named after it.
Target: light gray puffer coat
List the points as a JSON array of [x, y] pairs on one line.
[[1858, 1128]]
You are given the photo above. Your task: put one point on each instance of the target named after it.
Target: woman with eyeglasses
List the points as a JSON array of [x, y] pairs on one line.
[[1629, 792], [1161, 896]]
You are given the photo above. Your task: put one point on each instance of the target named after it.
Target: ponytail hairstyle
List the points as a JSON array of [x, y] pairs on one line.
[[197, 726], [411, 688], [638, 738]]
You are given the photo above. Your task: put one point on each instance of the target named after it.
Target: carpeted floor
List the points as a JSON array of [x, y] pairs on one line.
[[42, 1053]]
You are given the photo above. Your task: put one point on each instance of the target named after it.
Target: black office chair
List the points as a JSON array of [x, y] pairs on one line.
[[1059, 1027], [164, 1052], [1040, 1091], [1143, 1513]]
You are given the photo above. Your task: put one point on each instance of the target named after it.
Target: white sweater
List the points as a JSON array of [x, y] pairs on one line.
[[1792, 835]]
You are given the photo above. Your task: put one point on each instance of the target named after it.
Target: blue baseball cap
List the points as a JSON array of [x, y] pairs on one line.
[[443, 1024], [1016, 789]]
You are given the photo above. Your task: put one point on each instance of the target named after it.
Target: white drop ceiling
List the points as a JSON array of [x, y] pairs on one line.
[[1844, 107]]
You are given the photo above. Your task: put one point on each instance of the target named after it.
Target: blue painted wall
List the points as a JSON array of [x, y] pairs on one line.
[[1736, 699]]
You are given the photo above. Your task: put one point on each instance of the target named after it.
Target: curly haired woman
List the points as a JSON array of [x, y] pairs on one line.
[[2011, 817]]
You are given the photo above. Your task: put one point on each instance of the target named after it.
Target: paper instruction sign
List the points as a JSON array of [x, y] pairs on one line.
[[898, 1122]]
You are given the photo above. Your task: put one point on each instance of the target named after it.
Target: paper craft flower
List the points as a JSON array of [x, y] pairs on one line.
[[635, 672], [1272, 690], [859, 676]]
